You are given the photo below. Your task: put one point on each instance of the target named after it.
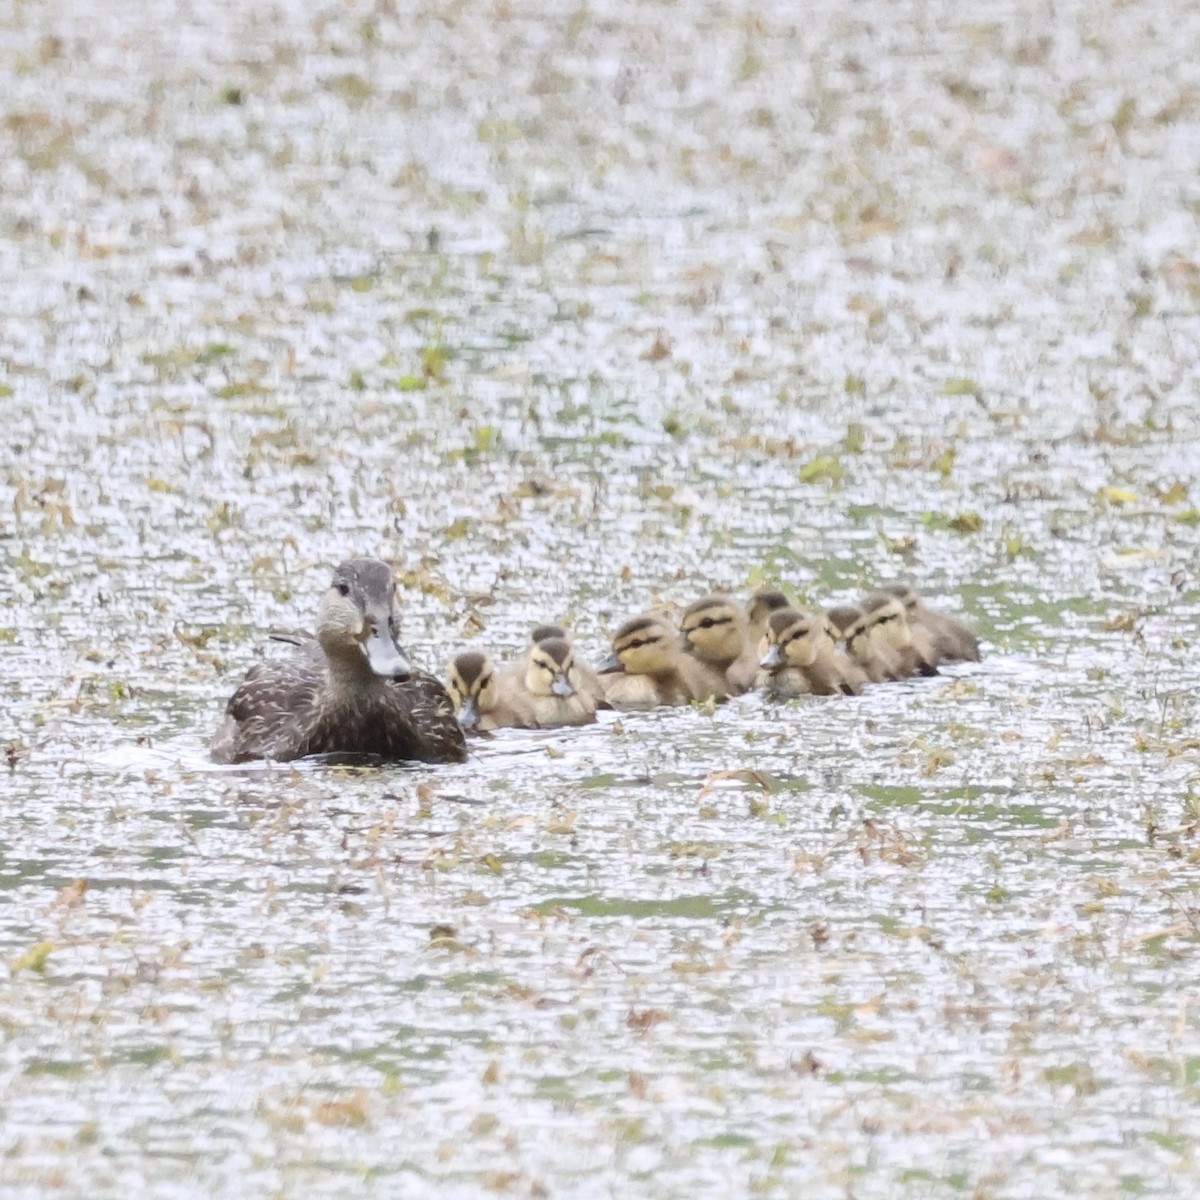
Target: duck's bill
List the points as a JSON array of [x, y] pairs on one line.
[[611, 664], [468, 714], [386, 659], [772, 660], [562, 686]]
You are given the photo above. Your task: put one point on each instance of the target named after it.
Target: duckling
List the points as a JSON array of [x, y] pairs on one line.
[[582, 676], [850, 624], [475, 696], [802, 658], [953, 639], [647, 668], [543, 691], [761, 605], [911, 640], [714, 633], [349, 690], [887, 628]]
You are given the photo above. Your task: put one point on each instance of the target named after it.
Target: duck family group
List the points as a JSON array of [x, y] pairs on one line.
[[351, 689]]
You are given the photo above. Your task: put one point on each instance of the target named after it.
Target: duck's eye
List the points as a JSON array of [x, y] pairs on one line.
[[707, 623], [343, 588]]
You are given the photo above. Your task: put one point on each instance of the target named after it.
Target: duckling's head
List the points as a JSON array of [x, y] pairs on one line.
[[761, 605], [357, 623], [472, 679], [550, 664], [885, 614], [904, 592], [646, 645], [793, 640], [840, 621], [714, 629], [542, 632]]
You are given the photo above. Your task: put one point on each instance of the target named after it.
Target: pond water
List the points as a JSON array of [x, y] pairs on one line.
[[564, 310]]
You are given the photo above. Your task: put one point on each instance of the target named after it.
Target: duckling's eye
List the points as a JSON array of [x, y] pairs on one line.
[[707, 623], [343, 588]]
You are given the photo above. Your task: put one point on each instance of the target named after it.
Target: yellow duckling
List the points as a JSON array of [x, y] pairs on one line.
[[761, 605], [882, 634], [542, 690], [648, 668], [953, 639], [803, 659], [582, 676], [912, 641], [471, 682], [714, 633], [850, 624]]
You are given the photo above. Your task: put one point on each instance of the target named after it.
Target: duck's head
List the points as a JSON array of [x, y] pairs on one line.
[[885, 618], [714, 629], [472, 686], [905, 593], [841, 621], [761, 605], [550, 665], [357, 621], [646, 645], [543, 632], [793, 640]]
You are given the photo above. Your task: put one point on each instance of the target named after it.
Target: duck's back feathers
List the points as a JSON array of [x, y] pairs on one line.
[[290, 708]]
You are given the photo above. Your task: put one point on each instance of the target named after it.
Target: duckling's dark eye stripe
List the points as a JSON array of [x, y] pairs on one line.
[[637, 643]]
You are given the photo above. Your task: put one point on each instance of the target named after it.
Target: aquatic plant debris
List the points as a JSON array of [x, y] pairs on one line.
[[566, 314]]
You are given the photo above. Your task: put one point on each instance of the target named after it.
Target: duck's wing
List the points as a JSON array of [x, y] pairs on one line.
[[437, 735], [263, 718]]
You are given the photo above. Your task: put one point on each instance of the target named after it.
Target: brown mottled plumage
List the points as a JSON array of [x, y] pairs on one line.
[[350, 690]]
